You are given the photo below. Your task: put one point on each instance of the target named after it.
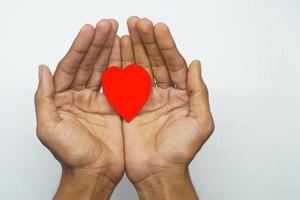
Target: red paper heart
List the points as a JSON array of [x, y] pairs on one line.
[[127, 89]]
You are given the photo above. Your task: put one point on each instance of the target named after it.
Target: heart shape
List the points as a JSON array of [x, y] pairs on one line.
[[126, 89]]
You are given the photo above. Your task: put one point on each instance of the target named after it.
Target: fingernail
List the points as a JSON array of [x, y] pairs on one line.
[[40, 72]]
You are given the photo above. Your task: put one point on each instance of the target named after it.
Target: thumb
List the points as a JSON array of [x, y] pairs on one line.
[[44, 102], [198, 93]]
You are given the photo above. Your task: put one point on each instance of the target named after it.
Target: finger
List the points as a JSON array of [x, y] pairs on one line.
[[44, 102], [102, 60], [68, 66], [115, 56], [140, 54], [158, 66], [176, 64], [84, 71], [126, 51], [198, 93]]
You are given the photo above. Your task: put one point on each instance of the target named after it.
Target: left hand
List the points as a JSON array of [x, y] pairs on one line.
[[176, 120]]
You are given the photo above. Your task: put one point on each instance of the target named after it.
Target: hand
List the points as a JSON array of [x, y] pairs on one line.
[[76, 122], [176, 120]]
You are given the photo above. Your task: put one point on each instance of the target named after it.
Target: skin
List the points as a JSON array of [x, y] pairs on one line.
[[75, 122], [89, 139], [175, 122]]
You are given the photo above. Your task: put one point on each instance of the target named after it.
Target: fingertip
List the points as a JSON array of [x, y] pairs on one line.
[[193, 75], [161, 25], [161, 28], [133, 31], [132, 21], [197, 65], [163, 36], [195, 69], [146, 19], [104, 24], [125, 42], [85, 35], [42, 69], [114, 24], [125, 38], [87, 28], [45, 80], [144, 25], [41, 66], [133, 18]]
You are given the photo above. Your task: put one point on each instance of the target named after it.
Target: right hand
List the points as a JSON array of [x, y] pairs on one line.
[[74, 121]]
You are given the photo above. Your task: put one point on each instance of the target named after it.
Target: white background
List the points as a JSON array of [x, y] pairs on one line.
[[250, 52]]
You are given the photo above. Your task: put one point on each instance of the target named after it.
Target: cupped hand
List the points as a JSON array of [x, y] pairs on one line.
[[176, 120], [74, 121]]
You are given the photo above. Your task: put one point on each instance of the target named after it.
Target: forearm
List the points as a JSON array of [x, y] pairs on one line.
[[173, 184], [83, 185]]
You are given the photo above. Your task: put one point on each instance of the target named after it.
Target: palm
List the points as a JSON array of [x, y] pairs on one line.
[[158, 134], [86, 125]]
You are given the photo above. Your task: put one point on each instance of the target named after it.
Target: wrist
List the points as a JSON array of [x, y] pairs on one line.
[[84, 184], [170, 184]]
